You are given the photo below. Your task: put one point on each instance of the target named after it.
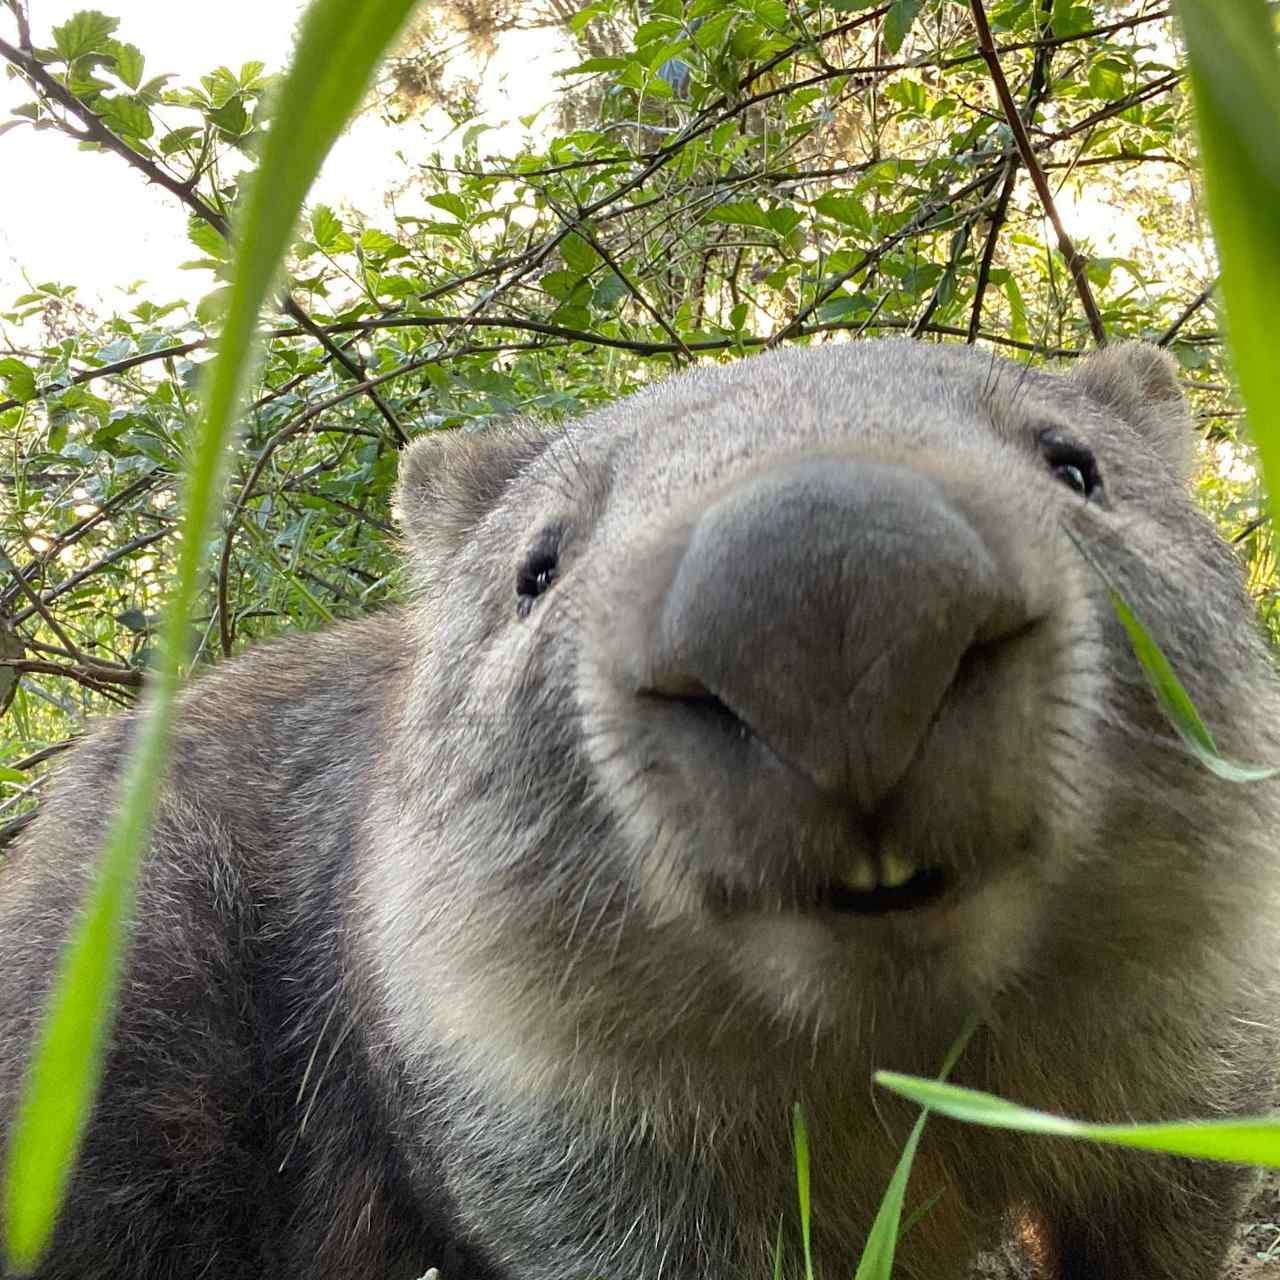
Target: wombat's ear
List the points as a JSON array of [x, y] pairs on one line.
[[449, 480], [1139, 383]]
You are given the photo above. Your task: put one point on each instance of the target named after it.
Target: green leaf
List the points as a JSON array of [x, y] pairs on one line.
[[178, 140], [1255, 1140], [609, 292], [325, 226], [378, 242], [231, 117], [742, 213], [1177, 705], [19, 380], [847, 209], [127, 117], [85, 32], [7, 774], [1107, 79], [450, 203], [1017, 309], [129, 63], [592, 65], [898, 21], [579, 256], [1235, 79], [878, 1252], [784, 221], [338, 47], [1173, 699]]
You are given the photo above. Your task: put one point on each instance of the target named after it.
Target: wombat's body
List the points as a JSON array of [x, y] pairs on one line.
[[748, 736]]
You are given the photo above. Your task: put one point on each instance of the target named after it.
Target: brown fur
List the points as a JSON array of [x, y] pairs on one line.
[[499, 934]]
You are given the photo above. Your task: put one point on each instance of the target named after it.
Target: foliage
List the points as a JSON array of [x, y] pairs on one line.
[[757, 173]]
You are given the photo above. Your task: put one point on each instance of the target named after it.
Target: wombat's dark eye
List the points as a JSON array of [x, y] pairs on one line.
[[538, 571], [1073, 464]]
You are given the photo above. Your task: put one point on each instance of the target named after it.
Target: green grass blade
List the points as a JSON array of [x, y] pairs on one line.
[[1173, 699], [1176, 703], [1235, 81], [800, 1142], [339, 45], [1255, 1140], [878, 1253]]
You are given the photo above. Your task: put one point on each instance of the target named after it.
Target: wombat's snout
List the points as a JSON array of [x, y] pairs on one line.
[[826, 607]]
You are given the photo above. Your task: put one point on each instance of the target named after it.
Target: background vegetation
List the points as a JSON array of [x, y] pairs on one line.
[[718, 176]]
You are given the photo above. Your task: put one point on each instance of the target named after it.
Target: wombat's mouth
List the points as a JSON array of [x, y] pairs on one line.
[[879, 883], [923, 888]]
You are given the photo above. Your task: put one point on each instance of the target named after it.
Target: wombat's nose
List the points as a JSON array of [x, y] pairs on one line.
[[827, 605]]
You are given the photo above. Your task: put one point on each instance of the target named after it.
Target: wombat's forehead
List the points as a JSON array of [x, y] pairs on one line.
[[893, 393]]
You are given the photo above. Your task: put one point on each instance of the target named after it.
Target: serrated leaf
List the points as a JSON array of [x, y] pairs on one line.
[[740, 213], [231, 117], [450, 203], [898, 22], [847, 209], [784, 221], [325, 226], [609, 292], [178, 140], [579, 256], [19, 380], [1107, 79], [375, 241], [129, 63], [207, 238], [127, 117], [88, 31]]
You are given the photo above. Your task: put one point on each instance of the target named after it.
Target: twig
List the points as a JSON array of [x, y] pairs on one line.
[[1187, 312], [1075, 260]]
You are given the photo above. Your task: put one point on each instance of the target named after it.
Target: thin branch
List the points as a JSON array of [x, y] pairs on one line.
[[1037, 91], [1187, 312], [1076, 263], [88, 674]]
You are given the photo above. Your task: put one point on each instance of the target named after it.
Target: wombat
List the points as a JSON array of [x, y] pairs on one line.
[[744, 737]]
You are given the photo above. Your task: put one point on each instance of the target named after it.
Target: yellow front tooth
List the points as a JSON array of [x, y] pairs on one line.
[[861, 876], [895, 870]]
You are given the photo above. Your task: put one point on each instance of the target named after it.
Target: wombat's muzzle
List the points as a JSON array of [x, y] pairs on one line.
[[827, 606]]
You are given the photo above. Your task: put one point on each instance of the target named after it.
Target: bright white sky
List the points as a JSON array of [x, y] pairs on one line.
[[90, 220]]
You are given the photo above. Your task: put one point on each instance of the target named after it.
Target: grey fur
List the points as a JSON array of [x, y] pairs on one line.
[[485, 934]]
